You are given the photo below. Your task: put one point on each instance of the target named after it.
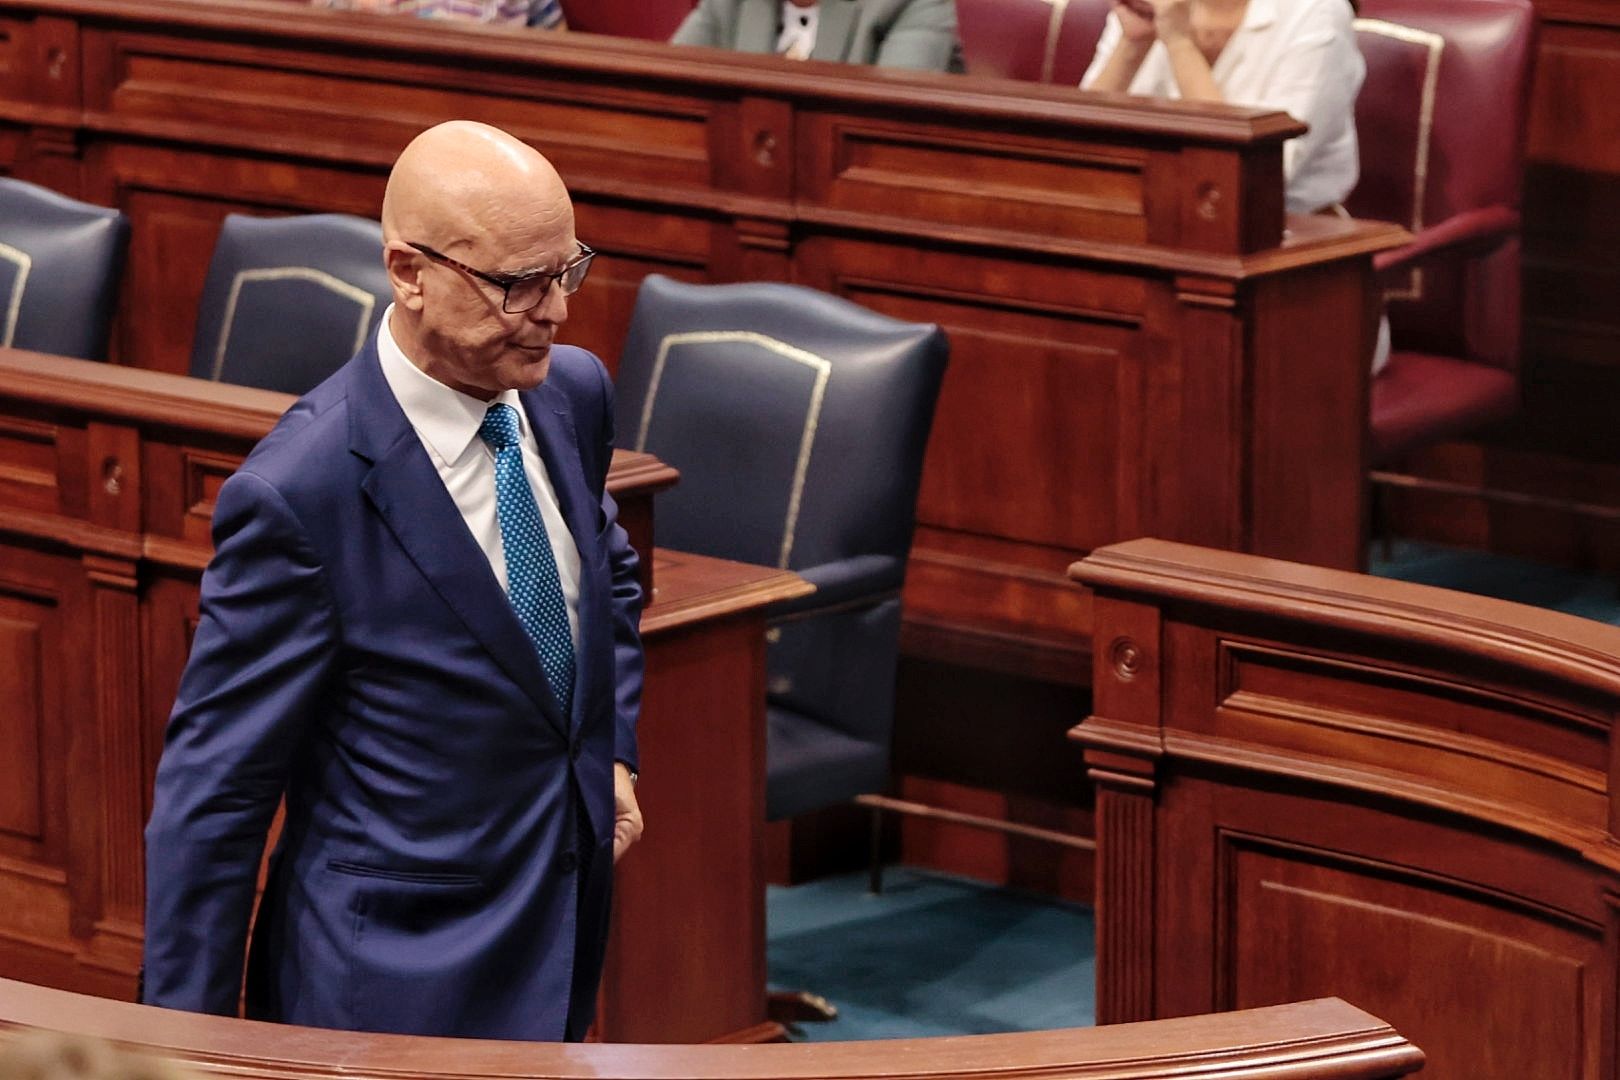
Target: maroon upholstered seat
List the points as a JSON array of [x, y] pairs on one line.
[[1034, 40], [1009, 39], [1441, 120], [1077, 39], [654, 20]]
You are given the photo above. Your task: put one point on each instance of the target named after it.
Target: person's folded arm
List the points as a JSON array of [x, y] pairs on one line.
[[1119, 55]]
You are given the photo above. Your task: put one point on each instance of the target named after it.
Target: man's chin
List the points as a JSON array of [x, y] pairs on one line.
[[532, 368]]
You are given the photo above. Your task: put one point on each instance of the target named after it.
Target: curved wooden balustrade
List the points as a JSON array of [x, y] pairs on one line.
[[1311, 1040], [1318, 782]]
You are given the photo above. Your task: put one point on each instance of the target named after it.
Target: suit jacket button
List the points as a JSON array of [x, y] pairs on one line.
[[576, 748], [567, 862]]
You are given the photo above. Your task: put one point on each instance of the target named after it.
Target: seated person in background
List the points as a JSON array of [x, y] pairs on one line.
[[890, 33], [1299, 56], [546, 14]]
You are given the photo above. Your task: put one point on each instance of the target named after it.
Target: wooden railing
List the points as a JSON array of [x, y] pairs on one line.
[[1310, 781], [1314, 1040]]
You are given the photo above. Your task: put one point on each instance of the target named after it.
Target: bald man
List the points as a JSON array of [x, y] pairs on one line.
[[420, 628]]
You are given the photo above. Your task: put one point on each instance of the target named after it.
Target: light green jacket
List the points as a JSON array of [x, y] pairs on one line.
[[889, 33]]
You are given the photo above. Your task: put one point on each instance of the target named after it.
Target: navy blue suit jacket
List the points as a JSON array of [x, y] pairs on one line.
[[446, 860]]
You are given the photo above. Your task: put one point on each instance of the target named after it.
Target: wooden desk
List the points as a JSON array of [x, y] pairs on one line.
[[107, 479], [1137, 346], [1312, 782]]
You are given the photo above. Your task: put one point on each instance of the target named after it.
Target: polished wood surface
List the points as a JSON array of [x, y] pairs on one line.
[[107, 480], [687, 958], [1311, 781], [1310, 1040]]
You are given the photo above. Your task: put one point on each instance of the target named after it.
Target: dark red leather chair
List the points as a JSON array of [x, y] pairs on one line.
[[1033, 40], [1077, 39], [653, 20], [1441, 120], [1009, 39]]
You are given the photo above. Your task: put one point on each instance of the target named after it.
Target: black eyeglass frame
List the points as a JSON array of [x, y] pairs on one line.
[[507, 282]]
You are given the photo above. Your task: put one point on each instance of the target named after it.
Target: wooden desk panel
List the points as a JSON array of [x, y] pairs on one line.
[[107, 482], [1310, 779]]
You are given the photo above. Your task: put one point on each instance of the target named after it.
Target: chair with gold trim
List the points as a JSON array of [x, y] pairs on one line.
[[798, 422], [1077, 39], [59, 266], [1010, 39], [288, 300], [1048, 41], [1441, 120]]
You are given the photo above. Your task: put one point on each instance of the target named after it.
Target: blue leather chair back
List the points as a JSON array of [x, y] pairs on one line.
[[59, 266], [288, 300], [798, 421]]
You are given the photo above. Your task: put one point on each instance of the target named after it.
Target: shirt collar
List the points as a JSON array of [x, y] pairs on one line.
[[444, 418]]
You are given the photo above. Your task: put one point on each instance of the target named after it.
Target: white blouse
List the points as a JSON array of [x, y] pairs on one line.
[[1297, 56]]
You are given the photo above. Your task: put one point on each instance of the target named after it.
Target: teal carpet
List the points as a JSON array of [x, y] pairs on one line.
[[1503, 577], [938, 955], [933, 955]]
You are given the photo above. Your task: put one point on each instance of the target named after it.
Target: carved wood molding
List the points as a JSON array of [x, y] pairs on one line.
[[1565, 646], [1126, 898]]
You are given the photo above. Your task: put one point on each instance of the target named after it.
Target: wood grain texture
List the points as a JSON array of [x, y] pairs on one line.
[[1312, 1040], [1405, 793]]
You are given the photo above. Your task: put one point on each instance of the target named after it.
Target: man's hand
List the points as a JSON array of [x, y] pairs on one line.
[[626, 811]]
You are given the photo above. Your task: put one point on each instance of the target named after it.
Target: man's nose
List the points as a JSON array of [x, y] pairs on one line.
[[553, 307]]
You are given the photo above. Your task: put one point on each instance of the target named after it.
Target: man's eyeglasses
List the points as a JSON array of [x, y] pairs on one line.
[[523, 292]]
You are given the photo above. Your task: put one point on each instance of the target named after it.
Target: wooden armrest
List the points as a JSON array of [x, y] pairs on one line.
[[1472, 232]]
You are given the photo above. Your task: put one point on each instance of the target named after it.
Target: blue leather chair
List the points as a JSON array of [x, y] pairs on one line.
[[288, 300], [59, 266], [798, 421]]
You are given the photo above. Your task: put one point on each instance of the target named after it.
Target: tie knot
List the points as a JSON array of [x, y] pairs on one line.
[[500, 426]]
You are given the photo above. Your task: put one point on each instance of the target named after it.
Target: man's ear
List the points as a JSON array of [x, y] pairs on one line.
[[405, 275]]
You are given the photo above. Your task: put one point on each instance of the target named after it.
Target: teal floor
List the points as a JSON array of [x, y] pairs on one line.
[[933, 955], [937, 955], [1505, 578]]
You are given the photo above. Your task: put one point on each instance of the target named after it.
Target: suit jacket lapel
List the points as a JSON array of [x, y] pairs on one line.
[[406, 490], [833, 29]]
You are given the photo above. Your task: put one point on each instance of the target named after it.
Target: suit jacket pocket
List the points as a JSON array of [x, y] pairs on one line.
[[411, 877]]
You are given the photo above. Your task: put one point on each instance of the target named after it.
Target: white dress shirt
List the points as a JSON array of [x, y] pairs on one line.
[[1298, 56], [447, 422], [798, 36]]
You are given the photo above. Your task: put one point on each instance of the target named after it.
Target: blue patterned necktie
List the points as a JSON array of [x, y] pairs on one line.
[[532, 581]]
